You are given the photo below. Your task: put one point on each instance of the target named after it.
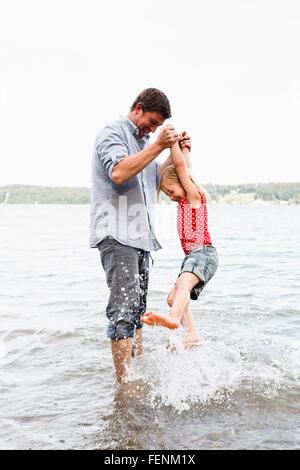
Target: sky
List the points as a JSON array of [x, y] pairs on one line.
[[231, 70]]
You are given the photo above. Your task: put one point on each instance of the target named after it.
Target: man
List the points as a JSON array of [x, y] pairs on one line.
[[124, 181]]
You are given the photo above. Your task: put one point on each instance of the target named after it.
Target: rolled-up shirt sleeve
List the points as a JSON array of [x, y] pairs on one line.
[[111, 149]]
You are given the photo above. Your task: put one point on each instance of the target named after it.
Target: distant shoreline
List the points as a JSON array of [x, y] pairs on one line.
[[253, 193]]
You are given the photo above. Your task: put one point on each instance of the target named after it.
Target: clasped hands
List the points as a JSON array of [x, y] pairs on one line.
[[168, 137]]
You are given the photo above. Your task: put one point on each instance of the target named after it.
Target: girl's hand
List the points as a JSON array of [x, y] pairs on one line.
[[168, 137], [185, 141]]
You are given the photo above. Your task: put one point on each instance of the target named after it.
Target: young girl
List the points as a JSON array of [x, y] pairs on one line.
[[201, 260]]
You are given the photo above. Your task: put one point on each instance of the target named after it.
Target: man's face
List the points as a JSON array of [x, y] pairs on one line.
[[148, 122]]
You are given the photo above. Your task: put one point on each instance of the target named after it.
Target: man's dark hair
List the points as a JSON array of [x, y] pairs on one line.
[[155, 101]]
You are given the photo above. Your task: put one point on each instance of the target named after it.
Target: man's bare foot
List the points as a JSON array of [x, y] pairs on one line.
[[171, 347], [154, 319]]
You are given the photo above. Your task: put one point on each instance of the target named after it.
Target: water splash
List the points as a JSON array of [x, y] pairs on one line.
[[210, 374], [182, 379]]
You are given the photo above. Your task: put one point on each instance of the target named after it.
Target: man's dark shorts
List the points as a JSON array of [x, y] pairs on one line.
[[127, 277]]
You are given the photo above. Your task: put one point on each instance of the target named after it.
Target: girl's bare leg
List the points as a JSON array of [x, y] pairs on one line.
[[191, 337], [182, 292], [178, 299]]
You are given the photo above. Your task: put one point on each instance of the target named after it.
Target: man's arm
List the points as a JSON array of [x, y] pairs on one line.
[[134, 164]]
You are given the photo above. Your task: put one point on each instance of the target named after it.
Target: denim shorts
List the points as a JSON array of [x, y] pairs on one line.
[[203, 262], [127, 276]]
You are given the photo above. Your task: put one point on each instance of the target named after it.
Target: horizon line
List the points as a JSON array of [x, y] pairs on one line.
[[88, 187]]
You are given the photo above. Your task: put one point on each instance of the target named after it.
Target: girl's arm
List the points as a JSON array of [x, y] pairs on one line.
[[186, 149], [186, 153], [181, 168], [165, 164]]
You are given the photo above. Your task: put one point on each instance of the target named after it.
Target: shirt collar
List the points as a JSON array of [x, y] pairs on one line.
[[133, 128]]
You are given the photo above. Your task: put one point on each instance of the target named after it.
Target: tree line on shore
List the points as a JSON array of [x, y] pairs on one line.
[[241, 193]]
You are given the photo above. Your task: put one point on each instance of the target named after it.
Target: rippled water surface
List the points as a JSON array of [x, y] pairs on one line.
[[240, 389]]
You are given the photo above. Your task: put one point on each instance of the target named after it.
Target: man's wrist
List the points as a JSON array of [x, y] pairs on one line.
[[157, 147]]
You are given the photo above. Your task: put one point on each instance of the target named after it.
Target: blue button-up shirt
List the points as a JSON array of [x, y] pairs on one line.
[[124, 211]]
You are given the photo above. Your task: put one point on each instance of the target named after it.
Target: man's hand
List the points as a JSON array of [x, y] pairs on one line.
[[185, 141], [168, 137]]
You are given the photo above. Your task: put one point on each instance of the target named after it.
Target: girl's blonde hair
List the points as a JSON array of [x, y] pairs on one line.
[[170, 176]]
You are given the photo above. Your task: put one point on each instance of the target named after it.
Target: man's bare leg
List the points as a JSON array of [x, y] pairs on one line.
[[121, 352], [138, 342]]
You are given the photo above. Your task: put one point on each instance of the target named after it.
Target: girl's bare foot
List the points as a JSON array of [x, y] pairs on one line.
[[155, 319], [146, 318]]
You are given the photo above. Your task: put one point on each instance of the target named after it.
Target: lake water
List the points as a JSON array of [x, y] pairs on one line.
[[239, 390]]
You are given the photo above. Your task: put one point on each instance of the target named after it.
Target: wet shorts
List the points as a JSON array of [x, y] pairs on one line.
[[203, 262], [127, 277]]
